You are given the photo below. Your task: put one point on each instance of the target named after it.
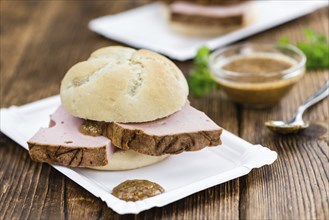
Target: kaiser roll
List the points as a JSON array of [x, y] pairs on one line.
[[120, 84]]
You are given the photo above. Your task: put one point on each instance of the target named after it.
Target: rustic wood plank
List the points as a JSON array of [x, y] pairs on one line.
[[37, 50], [25, 39], [51, 50], [296, 185], [17, 29]]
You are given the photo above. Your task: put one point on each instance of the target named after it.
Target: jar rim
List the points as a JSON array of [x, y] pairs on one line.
[[214, 55]]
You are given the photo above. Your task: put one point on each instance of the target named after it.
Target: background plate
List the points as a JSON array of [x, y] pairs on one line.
[[146, 26]]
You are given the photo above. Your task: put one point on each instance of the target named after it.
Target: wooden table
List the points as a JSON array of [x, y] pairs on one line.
[[40, 40]]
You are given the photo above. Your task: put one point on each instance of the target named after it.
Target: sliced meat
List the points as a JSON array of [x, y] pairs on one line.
[[185, 130], [210, 15], [214, 2], [63, 143], [202, 20], [209, 11]]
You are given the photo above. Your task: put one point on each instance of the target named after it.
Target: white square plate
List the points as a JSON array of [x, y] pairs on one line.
[[181, 175], [146, 27]]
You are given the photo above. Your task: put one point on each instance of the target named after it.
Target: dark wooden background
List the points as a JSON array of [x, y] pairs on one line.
[[40, 40]]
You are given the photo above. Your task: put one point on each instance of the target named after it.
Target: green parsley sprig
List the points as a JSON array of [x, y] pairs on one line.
[[316, 49], [200, 80]]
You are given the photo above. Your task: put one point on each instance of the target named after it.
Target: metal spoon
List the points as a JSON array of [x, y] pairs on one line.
[[296, 123]]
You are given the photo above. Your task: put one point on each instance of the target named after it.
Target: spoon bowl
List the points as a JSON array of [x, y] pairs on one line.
[[285, 128], [296, 123]]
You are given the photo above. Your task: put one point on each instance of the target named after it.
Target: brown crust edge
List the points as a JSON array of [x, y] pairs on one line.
[[153, 145], [68, 156]]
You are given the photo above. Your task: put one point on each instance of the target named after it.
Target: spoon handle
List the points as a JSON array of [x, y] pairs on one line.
[[318, 96]]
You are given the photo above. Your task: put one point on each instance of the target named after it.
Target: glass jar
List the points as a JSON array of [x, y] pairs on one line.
[[257, 75]]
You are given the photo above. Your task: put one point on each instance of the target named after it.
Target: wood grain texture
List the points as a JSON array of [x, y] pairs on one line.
[[296, 186], [40, 40]]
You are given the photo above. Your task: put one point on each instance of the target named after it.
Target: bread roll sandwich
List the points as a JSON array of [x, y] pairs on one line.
[[122, 109], [205, 18]]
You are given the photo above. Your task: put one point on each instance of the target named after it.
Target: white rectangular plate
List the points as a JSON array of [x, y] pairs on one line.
[[146, 27], [181, 175]]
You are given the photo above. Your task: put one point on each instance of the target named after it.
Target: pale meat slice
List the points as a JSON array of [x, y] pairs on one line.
[[186, 130], [62, 143], [210, 15], [215, 11]]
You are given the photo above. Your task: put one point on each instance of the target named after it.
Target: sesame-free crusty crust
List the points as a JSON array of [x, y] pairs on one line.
[[124, 85]]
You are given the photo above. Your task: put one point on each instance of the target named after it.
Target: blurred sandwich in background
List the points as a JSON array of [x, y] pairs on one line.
[[205, 18]]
